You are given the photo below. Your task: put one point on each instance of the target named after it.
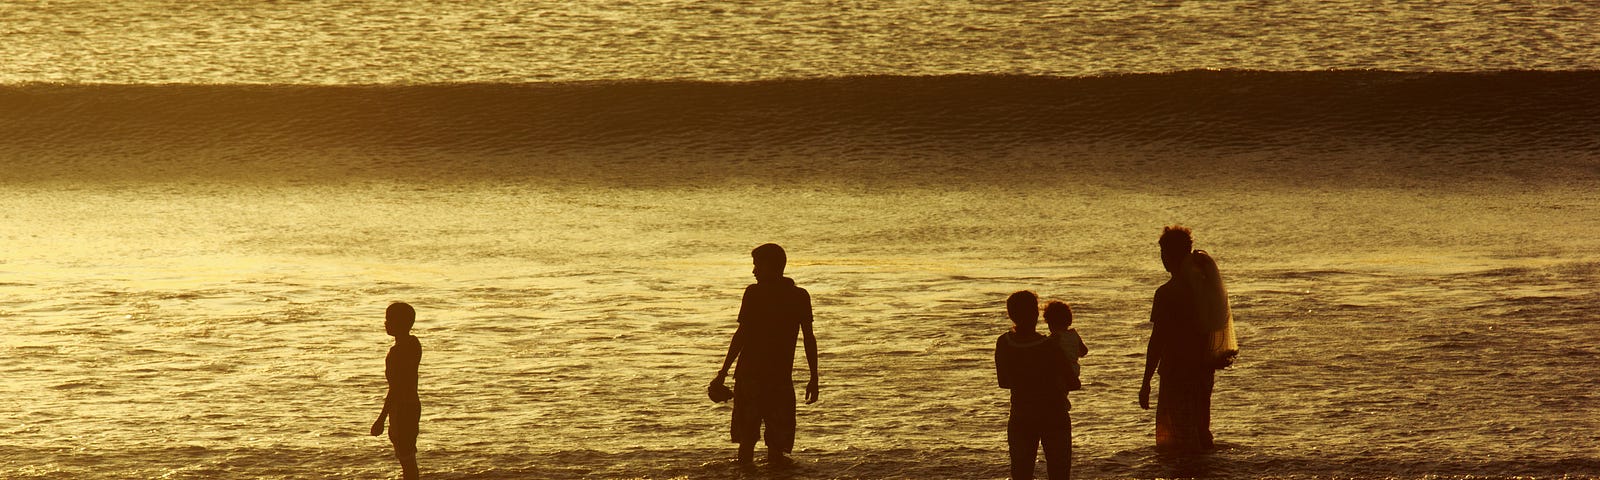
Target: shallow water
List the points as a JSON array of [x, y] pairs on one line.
[[204, 209], [235, 329]]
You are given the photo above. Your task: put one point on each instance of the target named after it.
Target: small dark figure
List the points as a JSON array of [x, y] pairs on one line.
[[401, 407], [773, 312], [1058, 315], [1179, 350], [1033, 367]]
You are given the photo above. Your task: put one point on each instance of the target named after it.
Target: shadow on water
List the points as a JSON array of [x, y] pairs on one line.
[[721, 463], [456, 463], [1227, 462], [854, 463], [1235, 461]]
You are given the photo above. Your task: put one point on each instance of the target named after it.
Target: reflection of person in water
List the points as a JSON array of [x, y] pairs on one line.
[[774, 311], [1033, 367], [401, 407], [1179, 350]]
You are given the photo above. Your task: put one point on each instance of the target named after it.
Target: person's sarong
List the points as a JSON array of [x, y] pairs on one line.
[[1183, 411]]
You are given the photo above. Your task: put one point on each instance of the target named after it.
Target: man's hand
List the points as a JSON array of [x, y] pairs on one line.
[[1144, 396], [812, 391], [377, 427]]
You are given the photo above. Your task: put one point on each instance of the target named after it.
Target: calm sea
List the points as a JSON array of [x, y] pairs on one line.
[[205, 207]]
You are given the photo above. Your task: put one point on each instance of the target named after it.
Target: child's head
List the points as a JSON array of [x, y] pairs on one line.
[[1058, 316], [398, 318], [1023, 308]]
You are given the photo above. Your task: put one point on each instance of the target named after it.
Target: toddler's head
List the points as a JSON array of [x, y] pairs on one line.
[[1058, 316]]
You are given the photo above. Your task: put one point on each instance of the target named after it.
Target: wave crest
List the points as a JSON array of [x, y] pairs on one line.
[[540, 126]]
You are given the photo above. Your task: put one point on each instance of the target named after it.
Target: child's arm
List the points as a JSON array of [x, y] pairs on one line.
[[377, 427], [1083, 350]]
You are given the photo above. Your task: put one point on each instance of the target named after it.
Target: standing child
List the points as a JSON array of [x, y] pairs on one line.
[[1032, 366], [402, 406], [1058, 316]]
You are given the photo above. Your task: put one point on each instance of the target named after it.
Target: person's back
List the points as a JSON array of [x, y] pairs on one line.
[[400, 368], [771, 314], [1031, 366], [1183, 346]]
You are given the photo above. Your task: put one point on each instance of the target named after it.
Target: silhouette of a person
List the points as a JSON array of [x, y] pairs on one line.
[[773, 312], [1033, 367], [401, 407], [1178, 351]]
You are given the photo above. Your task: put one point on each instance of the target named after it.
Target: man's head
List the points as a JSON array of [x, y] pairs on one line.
[[398, 318], [1058, 315], [1176, 243], [769, 261], [1023, 308]]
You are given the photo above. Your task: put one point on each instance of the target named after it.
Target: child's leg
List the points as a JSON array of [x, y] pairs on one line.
[[747, 452], [403, 429], [408, 467], [405, 450]]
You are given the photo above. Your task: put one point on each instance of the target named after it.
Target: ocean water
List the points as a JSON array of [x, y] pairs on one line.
[[205, 208], [398, 41]]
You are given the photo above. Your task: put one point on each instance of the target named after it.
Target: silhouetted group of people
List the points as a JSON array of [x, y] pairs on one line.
[[1039, 370]]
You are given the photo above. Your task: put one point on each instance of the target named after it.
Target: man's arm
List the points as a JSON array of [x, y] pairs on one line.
[[1002, 367], [1083, 348], [813, 388], [1152, 353], [734, 347]]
